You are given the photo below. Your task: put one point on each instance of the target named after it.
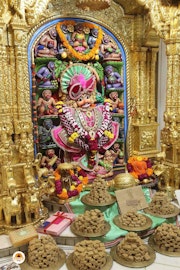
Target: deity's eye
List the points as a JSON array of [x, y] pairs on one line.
[[80, 99]]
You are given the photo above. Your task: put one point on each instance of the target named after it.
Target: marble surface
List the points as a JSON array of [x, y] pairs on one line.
[[161, 262]]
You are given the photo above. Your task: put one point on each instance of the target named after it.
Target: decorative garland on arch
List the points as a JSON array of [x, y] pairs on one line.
[[74, 53]]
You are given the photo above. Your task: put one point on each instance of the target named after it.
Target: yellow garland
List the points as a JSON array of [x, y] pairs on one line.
[[73, 52]]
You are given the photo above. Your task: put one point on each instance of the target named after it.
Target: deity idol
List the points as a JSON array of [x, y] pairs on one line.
[[86, 131]]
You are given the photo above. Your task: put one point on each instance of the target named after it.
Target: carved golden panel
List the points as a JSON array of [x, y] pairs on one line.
[[145, 139]]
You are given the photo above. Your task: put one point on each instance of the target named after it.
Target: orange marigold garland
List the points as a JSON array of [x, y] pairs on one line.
[[80, 56], [79, 179], [140, 167]]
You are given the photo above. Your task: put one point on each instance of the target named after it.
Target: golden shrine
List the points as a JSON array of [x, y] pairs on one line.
[[134, 31]]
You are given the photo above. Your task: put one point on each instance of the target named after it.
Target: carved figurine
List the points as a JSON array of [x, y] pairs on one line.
[[79, 39], [50, 160], [61, 48], [116, 103], [109, 49], [12, 204], [46, 104], [117, 154], [105, 168], [92, 37], [87, 129], [26, 149], [31, 200], [112, 78], [47, 45], [45, 74], [44, 133]]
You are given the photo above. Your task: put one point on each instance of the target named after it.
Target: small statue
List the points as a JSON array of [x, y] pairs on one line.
[[61, 48], [46, 104], [116, 103], [109, 49], [105, 168], [50, 160], [31, 200], [45, 75], [79, 38], [47, 46], [44, 132], [92, 37], [112, 78], [12, 204], [26, 149], [117, 154]]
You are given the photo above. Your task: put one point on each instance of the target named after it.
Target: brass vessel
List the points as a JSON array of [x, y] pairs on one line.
[[124, 180]]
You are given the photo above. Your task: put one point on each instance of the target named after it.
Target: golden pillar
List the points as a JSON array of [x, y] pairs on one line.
[[144, 125], [165, 19]]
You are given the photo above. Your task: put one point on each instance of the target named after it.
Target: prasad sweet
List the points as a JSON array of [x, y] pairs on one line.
[[167, 237], [161, 205], [98, 193], [133, 219], [44, 253], [89, 254], [133, 249], [90, 222]]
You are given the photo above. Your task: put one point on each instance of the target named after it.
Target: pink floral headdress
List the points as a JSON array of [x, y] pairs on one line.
[[79, 85]]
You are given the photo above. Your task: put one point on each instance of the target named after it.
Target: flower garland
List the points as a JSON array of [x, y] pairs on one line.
[[80, 56], [140, 167], [78, 180], [80, 132]]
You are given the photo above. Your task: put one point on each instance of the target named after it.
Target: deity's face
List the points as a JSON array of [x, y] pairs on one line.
[[53, 33], [108, 70], [85, 101], [116, 146], [114, 95], [106, 39], [51, 66], [79, 28], [48, 123], [50, 153], [47, 94], [94, 32]]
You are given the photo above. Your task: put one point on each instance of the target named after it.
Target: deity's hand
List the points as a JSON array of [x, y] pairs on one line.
[[59, 106]]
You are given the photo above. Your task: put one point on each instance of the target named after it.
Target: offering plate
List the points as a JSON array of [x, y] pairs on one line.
[[62, 258], [174, 214], [138, 230], [85, 200], [107, 266], [122, 261], [152, 243], [85, 234]]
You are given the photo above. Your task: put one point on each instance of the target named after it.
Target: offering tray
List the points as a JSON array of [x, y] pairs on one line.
[[85, 200], [85, 234], [145, 227], [122, 261], [58, 265], [174, 214], [152, 243], [107, 266]]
